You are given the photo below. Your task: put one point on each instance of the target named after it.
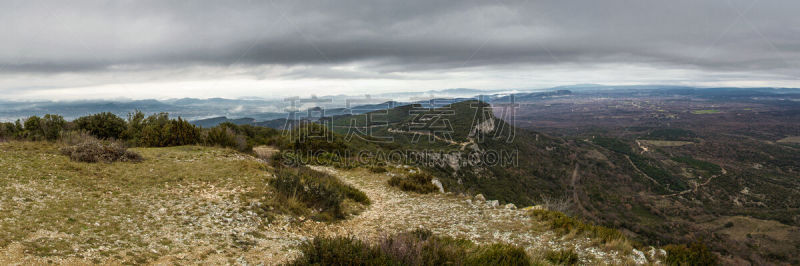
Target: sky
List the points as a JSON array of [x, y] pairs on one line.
[[71, 50]]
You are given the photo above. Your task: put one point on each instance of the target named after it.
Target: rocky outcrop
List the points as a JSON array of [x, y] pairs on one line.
[[438, 185]]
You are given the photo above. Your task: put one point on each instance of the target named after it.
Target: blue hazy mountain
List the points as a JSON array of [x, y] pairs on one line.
[[208, 112]]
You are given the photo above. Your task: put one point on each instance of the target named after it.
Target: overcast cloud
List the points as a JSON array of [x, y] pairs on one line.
[[163, 49]]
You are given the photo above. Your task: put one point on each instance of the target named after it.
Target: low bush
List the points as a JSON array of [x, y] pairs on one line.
[[159, 130], [225, 135], [417, 182], [419, 247], [499, 254], [93, 151], [10, 131], [695, 253], [102, 125], [314, 138], [48, 127], [561, 223], [320, 192], [340, 251], [377, 170], [562, 257]]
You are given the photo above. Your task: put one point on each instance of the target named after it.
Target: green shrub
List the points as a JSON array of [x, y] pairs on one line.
[[10, 130], [52, 125], [499, 254], [421, 247], [696, 253], [340, 251], [159, 130], [103, 125], [562, 257], [314, 138], [48, 127], [318, 191], [133, 131], [416, 182], [564, 224], [377, 170], [226, 135], [33, 128], [258, 135], [418, 247]]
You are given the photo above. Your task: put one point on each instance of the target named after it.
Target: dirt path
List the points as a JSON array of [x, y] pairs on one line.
[[691, 190], [393, 211], [642, 172]]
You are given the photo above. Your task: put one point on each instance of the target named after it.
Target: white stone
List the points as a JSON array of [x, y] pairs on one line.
[[438, 185], [493, 203], [638, 257], [511, 206], [479, 197]]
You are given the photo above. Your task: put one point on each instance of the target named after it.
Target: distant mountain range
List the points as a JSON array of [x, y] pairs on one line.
[[212, 111]]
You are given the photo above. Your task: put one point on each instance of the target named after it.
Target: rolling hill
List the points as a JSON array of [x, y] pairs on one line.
[[654, 195]]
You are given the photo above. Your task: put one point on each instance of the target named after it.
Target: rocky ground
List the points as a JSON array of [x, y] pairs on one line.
[[203, 221], [482, 221]]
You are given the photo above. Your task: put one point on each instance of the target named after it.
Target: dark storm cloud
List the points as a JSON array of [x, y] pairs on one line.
[[398, 36]]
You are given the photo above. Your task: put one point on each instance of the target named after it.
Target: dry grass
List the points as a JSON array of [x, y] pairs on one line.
[[265, 152], [573, 228], [183, 205], [416, 182], [792, 139], [175, 201]]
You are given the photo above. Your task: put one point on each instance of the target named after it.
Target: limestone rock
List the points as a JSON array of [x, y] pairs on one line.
[[438, 185], [638, 257], [511, 206], [479, 197], [493, 203], [534, 207]]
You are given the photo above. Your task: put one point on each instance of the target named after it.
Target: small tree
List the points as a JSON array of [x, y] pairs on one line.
[[32, 128], [46, 128], [103, 125], [226, 135], [8, 131], [51, 126], [181, 132], [159, 131], [133, 132]]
